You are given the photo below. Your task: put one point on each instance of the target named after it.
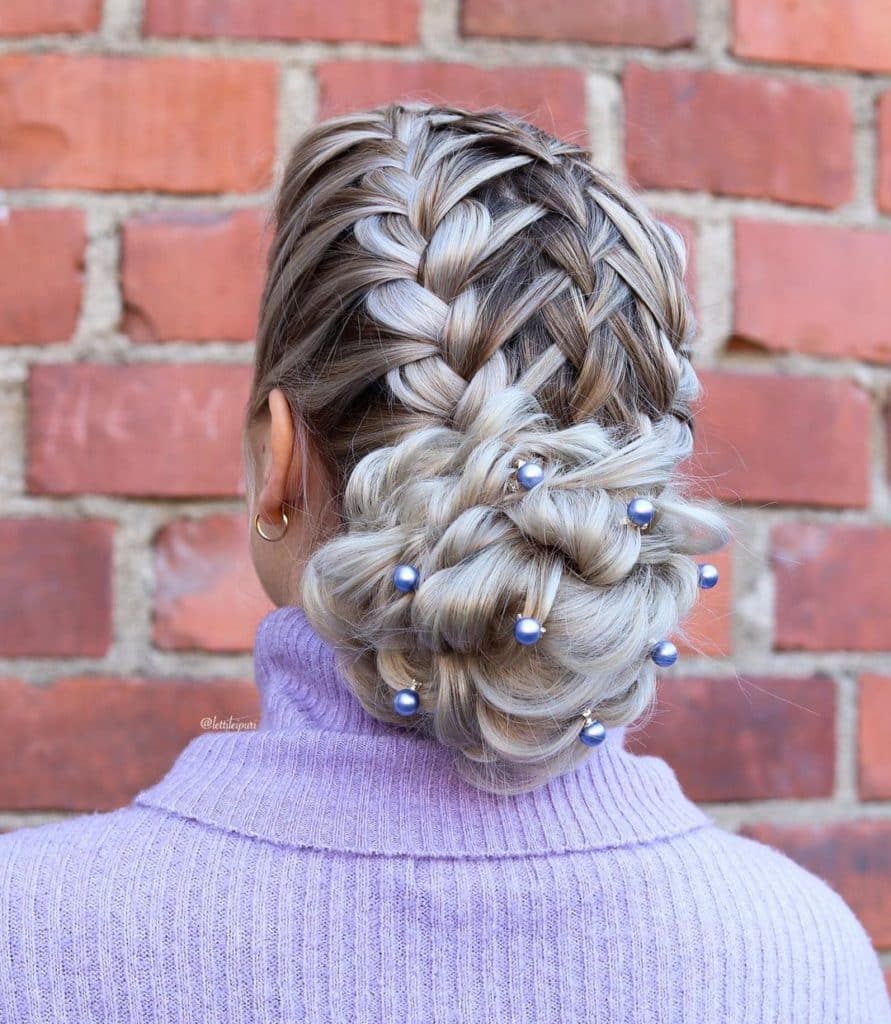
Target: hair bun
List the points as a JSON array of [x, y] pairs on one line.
[[485, 549]]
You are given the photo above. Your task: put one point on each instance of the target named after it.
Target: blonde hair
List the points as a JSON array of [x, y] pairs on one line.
[[449, 291]]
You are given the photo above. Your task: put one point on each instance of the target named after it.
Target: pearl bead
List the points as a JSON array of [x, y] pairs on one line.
[[664, 653], [529, 475], [708, 575], [593, 733], [641, 511], [405, 578], [527, 630], [406, 702]]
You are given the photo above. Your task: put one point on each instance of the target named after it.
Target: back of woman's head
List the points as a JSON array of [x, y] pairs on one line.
[[451, 293]]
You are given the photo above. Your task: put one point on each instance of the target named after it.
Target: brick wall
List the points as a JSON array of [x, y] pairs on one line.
[[138, 146]]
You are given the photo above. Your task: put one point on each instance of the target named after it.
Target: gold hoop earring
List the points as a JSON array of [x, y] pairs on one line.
[[266, 536]]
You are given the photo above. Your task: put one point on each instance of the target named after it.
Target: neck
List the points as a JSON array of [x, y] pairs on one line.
[[321, 772]]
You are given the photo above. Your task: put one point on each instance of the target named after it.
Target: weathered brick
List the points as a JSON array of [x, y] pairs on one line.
[[554, 98], [874, 750], [883, 186], [742, 135], [386, 21], [708, 628], [815, 289], [207, 593], [142, 430], [782, 438], [195, 276], [854, 857], [832, 589], [30, 17], [763, 738], [658, 23], [832, 33], [41, 253], [56, 599], [106, 122], [91, 743]]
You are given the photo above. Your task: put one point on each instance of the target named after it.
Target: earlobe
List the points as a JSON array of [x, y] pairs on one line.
[[279, 468]]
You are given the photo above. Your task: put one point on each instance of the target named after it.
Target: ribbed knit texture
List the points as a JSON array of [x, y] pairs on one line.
[[329, 868]]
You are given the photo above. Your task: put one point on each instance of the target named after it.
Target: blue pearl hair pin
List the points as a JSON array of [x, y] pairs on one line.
[[708, 575], [405, 578], [528, 630], [407, 701], [640, 512], [664, 653], [593, 732], [529, 474]]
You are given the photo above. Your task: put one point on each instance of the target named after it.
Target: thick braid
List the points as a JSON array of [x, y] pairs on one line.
[[450, 293]]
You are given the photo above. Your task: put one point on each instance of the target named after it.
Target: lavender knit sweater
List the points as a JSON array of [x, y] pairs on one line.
[[331, 868]]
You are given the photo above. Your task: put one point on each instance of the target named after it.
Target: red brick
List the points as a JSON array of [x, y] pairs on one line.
[[91, 743], [554, 98], [854, 857], [659, 23], [208, 596], [812, 288], [194, 276], [874, 750], [57, 589], [883, 188], [782, 438], [166, 124], [41, 256], [30, 17], [762, 738], [832, 33], [742, 135], [386, 21], [708, 628], [142, 430], [832, 589]]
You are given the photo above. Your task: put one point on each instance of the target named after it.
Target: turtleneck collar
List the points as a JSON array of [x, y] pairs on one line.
[[321, 772], [301, 687], [299, 682]]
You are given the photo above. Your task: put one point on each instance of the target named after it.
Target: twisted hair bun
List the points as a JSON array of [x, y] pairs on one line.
[[448, 293]]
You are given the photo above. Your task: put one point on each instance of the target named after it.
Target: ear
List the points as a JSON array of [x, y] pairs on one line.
[[279, 469]]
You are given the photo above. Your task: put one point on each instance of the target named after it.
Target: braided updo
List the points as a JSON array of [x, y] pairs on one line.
[[449, 292]]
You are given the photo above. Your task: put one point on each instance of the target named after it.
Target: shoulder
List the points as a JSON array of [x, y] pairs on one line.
[[102, 905], [83, 859], [49, 877], [91, 875], [774, 909], [70, 893], [769, 885], [777, 877], [44, 868], [49, 844]]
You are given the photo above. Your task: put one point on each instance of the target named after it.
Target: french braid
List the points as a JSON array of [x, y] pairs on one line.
[[448, 291]]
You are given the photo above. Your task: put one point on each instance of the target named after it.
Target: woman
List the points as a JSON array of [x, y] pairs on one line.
[[472, 395]]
